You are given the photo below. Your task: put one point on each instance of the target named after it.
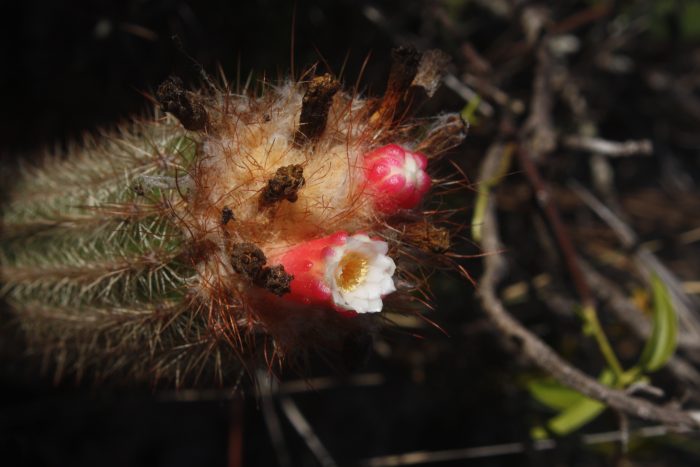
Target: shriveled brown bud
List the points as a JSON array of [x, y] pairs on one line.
[[315, 106], [431, 69], [404, 66], [174, 99], [226, 215], [428, 237], [276, 280], [285, 184], [446, 133], [247, 259]]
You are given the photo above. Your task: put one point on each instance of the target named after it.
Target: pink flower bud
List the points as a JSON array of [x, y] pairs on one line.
[[396, 178], [341, 272]]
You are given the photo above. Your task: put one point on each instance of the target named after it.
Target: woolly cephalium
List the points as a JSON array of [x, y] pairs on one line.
[[284, 220]]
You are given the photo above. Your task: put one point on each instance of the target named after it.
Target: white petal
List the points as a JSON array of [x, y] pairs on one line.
[[381, 247], [358, 239], [362, 292], [367, 295], [386, 264], [360, 305], [387, 286], [375, 305], [375, 274]]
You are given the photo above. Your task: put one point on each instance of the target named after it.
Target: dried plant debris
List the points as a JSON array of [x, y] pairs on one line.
[[285, 185], [315, 107], [185, 106]]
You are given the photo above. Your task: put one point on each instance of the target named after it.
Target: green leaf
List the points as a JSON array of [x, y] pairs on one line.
[[550, 393], [482, 200], [579, 412], [469, 111], [662, 342], [484, 191], [576, 416], [688, 17]]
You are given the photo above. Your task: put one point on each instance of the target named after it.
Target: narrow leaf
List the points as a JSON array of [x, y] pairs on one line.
[[550, 393], [662, 343], [582, 411], [575, 416]]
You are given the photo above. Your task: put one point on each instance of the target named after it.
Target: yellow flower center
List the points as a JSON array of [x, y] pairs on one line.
[[351, 271]]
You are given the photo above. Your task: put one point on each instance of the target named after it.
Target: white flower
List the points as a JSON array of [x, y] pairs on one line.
[[360, 273]]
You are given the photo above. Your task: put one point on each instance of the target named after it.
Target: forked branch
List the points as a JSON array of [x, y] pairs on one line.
[[540, 353]]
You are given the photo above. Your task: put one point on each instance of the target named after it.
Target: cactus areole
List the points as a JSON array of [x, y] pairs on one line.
[[175, 246]]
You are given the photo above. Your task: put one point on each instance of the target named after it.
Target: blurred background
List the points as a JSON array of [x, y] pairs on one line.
[[76, 67]]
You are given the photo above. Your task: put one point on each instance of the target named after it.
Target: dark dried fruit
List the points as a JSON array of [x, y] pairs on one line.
[[404, 66], [285, 184], [226, 215], [428, 237], [247, 259], [315, 107], [448, 132], [276, 280], [174, 99]]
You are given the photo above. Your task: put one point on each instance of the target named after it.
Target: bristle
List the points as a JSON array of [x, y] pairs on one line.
[[169, 249]]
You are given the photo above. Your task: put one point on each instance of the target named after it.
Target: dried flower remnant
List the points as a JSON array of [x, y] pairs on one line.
[[314, 108], [173, 98], [226, 215], [315, 177], [284, 185]]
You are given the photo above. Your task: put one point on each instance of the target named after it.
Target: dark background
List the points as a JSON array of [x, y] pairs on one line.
[[75, 67], [71, 67]]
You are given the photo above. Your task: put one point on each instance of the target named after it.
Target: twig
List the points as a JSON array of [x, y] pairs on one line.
[[274, 428], [376, 16], [538, 130], [635, 320], [626, 311], [296, 418], [647, 263], [288, 387], [468, 94], [324, 383], [542, 355], [566, 247], [624, 431], [488, 89], [581, 18], [610, 148], [544, 199], [235, 434], [424, 457]]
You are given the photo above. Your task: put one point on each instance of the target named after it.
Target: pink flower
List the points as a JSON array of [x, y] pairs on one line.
[[396, 178], [340, 271]]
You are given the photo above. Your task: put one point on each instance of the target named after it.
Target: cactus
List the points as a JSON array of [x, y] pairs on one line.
[[227, 227]]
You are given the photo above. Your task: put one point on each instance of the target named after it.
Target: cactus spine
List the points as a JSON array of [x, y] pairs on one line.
[[169, 248]]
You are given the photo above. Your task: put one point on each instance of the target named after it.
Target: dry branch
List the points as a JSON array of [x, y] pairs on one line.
[[540, 353], [610, 148]]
